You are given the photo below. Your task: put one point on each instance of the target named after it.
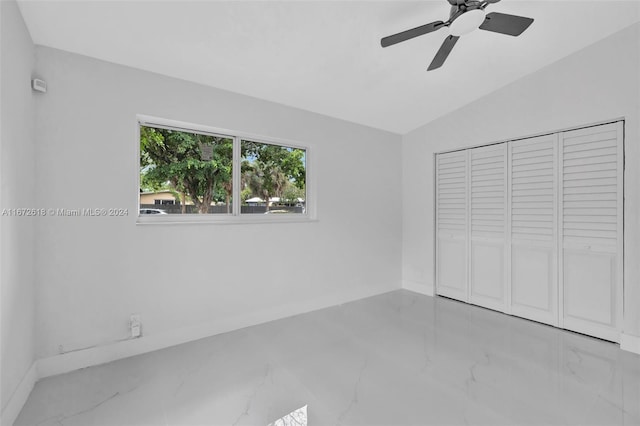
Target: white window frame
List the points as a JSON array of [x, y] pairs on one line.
[[235, 217]]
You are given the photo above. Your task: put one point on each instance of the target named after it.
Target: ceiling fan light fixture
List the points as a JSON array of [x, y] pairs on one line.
[[467, 22]]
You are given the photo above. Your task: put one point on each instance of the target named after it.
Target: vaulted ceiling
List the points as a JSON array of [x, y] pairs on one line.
[[325, 56]]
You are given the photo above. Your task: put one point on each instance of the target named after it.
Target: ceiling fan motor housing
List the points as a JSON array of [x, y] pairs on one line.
[[466, 18]]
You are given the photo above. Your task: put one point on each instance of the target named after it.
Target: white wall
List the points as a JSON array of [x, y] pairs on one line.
[[94, 272], [598, 83], [17, 190]]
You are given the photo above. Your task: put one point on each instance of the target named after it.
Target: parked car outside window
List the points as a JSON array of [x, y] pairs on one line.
[[152, 211]]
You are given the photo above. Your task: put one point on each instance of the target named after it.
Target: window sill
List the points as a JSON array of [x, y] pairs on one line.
[[220, 220]]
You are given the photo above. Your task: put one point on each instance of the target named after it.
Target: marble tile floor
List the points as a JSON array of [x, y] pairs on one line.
[[396, 359]]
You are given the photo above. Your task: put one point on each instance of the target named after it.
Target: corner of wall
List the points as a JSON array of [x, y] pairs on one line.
[[19, 397], [17, 144], [418, 287]]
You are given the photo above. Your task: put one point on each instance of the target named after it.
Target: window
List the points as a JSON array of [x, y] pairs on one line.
[[194, 168], [199, 174], [273, 178]]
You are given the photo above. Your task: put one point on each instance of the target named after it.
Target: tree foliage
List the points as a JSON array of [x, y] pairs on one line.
[[270, 169], [192, 164], [292, 193]]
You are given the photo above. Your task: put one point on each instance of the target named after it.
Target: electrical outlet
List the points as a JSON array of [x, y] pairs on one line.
[[135, 326]]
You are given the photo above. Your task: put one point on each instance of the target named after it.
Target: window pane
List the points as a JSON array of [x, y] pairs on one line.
[[273, 179], [184, 172]]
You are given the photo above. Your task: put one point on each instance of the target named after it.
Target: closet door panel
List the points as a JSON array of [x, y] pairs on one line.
[[487, 272], [451, 225], [534, 290], [591, 247], [533, 189], [452, 255], [588, 291], [488, 210]]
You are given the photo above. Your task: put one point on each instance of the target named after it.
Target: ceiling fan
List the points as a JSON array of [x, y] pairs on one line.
[[465, 16]]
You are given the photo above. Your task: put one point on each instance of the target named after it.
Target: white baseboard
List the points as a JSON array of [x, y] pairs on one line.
[[630, 343], [71, 361], [19, 397], [418, 287]]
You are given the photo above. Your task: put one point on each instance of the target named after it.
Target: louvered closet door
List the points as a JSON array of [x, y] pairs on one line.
[[534, 286], [592, 204], [488, 194], [451, 225]]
